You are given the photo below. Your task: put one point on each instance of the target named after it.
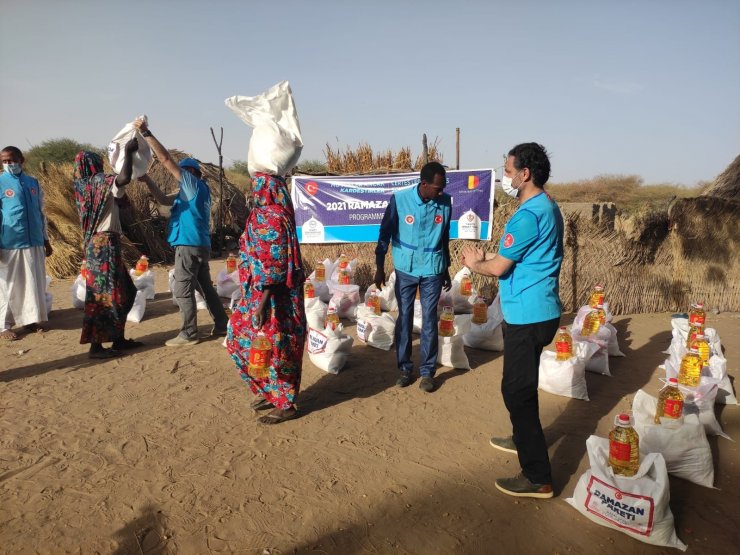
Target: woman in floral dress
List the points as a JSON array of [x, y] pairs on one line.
[[272, 278]]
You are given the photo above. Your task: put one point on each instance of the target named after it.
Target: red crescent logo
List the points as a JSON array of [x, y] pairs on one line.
[[9, 193], [312, 187], [508, 240], [33, 191], [409, 219], [618, 494], [438, 219]]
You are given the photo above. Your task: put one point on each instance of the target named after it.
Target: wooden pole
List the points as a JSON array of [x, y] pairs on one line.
[[220, 230], [457, 148], [425, 149]]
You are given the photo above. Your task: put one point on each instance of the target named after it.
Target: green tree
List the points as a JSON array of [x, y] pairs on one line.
[[240, 166], [55, 151]]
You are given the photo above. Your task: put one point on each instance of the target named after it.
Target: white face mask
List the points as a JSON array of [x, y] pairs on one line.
[[508, 187], [12, 168]]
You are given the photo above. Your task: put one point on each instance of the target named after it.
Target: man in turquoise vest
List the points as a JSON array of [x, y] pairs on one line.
[[417, 224], [24, 246], [190, 234], [528, 267]]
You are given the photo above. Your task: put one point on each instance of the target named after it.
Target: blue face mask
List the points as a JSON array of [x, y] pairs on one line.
[[12, 168]]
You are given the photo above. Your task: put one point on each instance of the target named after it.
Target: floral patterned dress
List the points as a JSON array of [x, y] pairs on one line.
[[270, 256], [110, 290]]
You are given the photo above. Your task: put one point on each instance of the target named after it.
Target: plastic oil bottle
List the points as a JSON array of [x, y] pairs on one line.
[[332, 318], [597, 296], [344, 277], [142, 265], [480, 311], [373, 302], [694, 329], [320, 272], [309, 292], [447, 322], [670, 402], [700, 344], [563, 344], [697, 314], [343, 261], [466, 285], [690, 372], [624, 450], [593, 320], [230, 264], [259, 357], [84, 272]]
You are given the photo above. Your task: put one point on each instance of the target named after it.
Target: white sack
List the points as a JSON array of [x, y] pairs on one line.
[[699, 400], [334, 275], [488, 336], [683, 443], [49, 296], [329, 349], [116, 150], [235, 297], [599, 361], [79, 290], [200, 302], [376, 331], [566, 377], [345, 298], [717, 369], [451, 352], [462, 304], [226, 284], [315, 313], [276, 142], [321, 288], [416, 328], [136, 314], [613, 345], [144, 282], [637, 506], [387, 295]]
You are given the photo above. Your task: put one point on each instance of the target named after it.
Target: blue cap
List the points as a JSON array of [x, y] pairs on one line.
[[189, 163]]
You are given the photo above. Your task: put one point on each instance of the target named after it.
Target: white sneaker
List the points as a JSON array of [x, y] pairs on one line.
[[181, 342]]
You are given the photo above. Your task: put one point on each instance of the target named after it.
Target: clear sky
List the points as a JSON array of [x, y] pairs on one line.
[[648, 87]]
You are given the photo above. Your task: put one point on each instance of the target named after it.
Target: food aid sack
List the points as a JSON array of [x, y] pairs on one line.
[[451, 350], [682, 442], [141, 158], [680, 329], [136, 314], [387, 295], [462, 304], [334, 275], [345, 298], [612, 347], [144, 282], [276, 142], [200, 302], [599, 361], [235, 297], [566, 377], [226, 283], [698, 400], [376, 331], [637, 505], [416, 326], [315, 313], [717, 368], [79, 290], [321, 288], [48, 296], [488, 336], [329, 349]]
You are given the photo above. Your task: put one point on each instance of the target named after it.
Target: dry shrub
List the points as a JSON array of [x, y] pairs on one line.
[[363, 160]]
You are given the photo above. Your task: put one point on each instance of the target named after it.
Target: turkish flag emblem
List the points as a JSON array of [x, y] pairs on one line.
[[33, 191], [438, 219], [10, 193], [508, 240], [409, 219], [312, 188]]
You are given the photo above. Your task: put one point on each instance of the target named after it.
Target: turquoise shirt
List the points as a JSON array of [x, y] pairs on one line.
[[190, 221], [533, 239], [22, 223]]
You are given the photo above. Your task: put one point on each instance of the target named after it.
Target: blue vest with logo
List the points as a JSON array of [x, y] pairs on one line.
[[418, 243], [190, 221], [21, 221]]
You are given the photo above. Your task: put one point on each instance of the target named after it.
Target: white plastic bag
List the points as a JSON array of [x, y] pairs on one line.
[[636, 505], [334, 274], [345, 299], [329, 349], [321, 288], [451, 351], [488, 336], [116, 149], [566, 377], [613, 345], [717, 369], [462, 304], [599, 361], [136, 314], [416, 327], [376, 331], [79, 291], [682, 443], [315, 313], [144, 282], [698, 400], [226, 284], [200, 302], [387, 295], [276, 142]]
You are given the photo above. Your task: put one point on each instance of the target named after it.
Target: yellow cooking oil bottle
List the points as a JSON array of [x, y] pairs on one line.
[[466, 285], [309, 291], [563, 344], [690, 371], [142, 265], [593, 320], [624, 449], [230, 263], [447, 322], [373, 302], [480, 311], [332, 318], [320, 272], [596, 296], [670, 401], [702, 346], [259, 357]]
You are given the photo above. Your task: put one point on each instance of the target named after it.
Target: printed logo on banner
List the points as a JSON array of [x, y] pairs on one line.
[[316, 341], [508, 240], [438, 219], [620, 508], [468, 226], [409, 219], [473, 182], [10, 193], [312, 188], [313, 231]]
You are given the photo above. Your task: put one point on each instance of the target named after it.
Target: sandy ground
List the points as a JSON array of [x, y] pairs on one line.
[[158, 452]]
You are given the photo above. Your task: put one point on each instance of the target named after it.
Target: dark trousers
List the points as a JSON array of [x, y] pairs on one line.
[[523, 346], [430, 289]]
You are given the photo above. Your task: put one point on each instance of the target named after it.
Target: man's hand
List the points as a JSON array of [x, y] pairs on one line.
[[379, 278], [131, 146], [471, 256], [447, 282], [48, 249], [141, 125]]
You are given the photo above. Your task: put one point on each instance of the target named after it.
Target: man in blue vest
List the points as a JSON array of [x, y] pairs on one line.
[[24, 246], [528, 267], [417, 223], [190, 234]]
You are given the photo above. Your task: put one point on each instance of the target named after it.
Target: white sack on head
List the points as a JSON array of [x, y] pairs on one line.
[[141, 158], [276, 142]]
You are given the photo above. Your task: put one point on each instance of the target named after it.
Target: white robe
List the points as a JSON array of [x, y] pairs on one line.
[[22, 287]]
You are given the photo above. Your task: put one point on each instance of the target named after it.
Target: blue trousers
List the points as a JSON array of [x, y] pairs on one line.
[[430, 289]]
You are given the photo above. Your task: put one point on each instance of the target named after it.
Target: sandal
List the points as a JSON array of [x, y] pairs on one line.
[[34, 328], [8, 335], [125, 344], [105, 353], [260, 403], [277, 416]]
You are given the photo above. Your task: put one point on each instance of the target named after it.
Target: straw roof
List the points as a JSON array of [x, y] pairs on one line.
[[727, 184]]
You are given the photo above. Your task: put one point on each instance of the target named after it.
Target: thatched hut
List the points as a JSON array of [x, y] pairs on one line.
[[727, 184]]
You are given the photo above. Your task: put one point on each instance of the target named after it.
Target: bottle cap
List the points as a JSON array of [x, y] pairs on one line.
[[599, 286], [673, 381], [623, 419], [447, 308], [599, 305], [694, 350], [699, 305], [563, 328]]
